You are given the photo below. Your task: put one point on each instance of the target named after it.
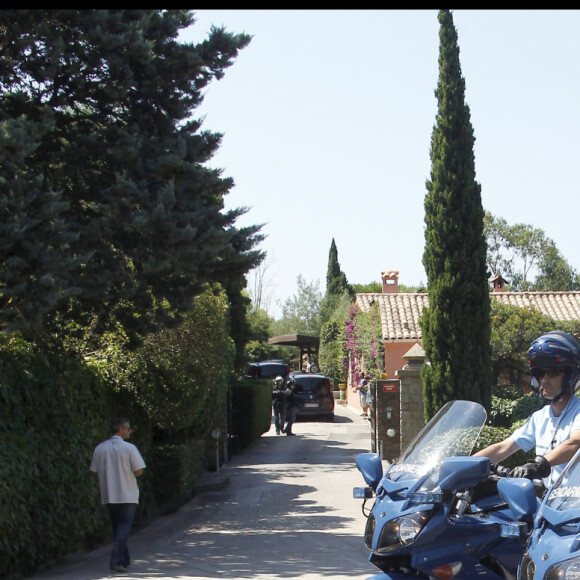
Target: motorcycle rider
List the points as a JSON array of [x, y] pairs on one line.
[[278, 404], [554, 430]]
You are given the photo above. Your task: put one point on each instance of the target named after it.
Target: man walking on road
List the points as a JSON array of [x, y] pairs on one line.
[[117, 463]]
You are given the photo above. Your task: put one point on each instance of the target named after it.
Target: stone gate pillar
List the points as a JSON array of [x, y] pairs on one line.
[[411, 385], [385, 418]]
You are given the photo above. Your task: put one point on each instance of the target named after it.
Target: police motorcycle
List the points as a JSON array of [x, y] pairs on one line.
[[440, 513], [553, 550]]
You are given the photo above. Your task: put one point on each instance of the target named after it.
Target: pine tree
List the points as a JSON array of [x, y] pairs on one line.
[[456, 326], [111, 208]]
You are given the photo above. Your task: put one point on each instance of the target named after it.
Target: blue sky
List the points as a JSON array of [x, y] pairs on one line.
[[327, 119]]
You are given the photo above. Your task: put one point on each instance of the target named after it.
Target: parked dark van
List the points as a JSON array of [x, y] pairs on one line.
[[267, 369], [314, 394]]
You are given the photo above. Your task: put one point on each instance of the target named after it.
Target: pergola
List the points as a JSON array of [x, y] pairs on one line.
[[308, 345]]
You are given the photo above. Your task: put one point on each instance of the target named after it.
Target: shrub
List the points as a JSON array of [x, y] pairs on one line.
[[251, 410], [491, 435], [506, 411], [526, 405], [501, 412], [52, 407]]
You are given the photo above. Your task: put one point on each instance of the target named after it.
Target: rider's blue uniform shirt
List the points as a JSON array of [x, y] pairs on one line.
[[545, 431]]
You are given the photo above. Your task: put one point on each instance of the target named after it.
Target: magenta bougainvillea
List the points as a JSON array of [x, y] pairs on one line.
[[363, 345]]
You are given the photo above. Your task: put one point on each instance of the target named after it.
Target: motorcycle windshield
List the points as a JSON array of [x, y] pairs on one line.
[[564, 496], [451, 432]]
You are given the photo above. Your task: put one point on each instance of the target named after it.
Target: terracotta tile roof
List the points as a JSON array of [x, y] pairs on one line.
[[400, 312]]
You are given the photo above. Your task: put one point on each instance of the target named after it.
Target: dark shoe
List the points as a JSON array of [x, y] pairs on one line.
[[290, 433], [119, 568], [277, 431]]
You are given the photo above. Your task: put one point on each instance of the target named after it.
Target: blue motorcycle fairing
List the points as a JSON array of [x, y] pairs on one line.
[[558, 517], [559, 548], [393, 486], [554, 543]]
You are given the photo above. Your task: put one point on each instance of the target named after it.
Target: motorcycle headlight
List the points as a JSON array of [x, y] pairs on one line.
[[527, 568], [369, 531], [567, 570], [401, 531]]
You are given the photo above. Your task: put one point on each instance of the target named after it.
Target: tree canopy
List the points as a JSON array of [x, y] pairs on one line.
[[300, 312], [108, 208], [526, 257]]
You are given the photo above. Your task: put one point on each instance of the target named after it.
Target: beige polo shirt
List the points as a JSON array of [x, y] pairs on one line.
[[115, 461]]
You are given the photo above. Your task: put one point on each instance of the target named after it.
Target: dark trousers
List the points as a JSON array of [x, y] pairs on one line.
[[290, 418], [279, 417], [122, 516]]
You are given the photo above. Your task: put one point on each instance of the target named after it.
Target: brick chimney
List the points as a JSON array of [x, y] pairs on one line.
[[390, 279], [498, 283]]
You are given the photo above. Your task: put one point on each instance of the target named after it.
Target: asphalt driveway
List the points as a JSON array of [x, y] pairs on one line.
[[281, 509]]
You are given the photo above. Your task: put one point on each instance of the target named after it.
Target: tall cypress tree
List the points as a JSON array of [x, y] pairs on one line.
[[456, 326], [336, 282]]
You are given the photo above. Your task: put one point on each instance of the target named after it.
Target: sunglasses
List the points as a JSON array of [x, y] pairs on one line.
[[552, 372]]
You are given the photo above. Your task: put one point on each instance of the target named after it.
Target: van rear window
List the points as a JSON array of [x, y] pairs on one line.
[[311, 385]]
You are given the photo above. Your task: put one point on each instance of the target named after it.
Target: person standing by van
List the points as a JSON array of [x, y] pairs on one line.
[[291, 406], [278, 404]]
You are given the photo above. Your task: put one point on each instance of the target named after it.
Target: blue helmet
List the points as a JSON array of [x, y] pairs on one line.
[[556, 349]]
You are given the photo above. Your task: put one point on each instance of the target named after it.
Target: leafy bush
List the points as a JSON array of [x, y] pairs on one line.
[[173, 469], [331, 353], [55, 408], [506, 411], [177, 382], [52, 407], [511, 392], [491, 435], [527, 405], [507, 414], [501, 412], [251, 410]]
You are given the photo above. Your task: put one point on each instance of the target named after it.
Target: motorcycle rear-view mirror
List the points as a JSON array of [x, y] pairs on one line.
[[371, 467], [520, 495], [462, 471]]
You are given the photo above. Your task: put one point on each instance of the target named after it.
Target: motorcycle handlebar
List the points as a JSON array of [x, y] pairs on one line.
[[500, 470]]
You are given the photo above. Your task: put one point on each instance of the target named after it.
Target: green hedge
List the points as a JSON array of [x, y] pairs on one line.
[[51, 410], [173, 469], [491, 435], [506, 415], [54, 410], [506, 411], [251, 411]]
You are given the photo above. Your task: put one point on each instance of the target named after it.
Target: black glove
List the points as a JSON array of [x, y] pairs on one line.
[[536, 469]]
